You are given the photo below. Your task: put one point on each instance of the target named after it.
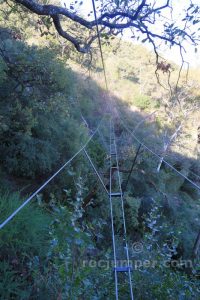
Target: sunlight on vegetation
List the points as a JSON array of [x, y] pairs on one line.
[[59, 246]]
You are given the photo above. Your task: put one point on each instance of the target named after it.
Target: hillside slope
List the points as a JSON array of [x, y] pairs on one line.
[[52, 99]]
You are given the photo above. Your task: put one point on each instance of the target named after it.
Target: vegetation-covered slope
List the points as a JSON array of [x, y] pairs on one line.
[[59, 246]]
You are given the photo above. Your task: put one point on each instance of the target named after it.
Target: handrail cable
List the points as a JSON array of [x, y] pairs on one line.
[[70, 160], [100, 45], [159, 157], [95, 170], [50, 179]]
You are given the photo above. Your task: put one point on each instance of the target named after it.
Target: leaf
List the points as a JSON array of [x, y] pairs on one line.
[[144, 40], [195, 22]]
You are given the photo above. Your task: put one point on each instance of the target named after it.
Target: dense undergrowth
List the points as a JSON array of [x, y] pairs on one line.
[[59, 246]]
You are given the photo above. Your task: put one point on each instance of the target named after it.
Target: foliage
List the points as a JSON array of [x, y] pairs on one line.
[[142, 101], [22, 241], [72, 247], [162, 258], [49, 106], [36, 93]]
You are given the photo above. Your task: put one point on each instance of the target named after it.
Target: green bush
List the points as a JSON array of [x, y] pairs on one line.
[[23, 243], [37, 120], [142, 101]]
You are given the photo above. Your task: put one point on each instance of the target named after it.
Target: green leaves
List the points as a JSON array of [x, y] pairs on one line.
[[35, 110], [142, 101], [23, 244], [3, 69]]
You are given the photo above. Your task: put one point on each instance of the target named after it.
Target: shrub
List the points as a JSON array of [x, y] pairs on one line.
[[142, 101], [22, 241]]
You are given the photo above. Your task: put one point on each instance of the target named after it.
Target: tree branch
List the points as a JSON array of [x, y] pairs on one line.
[[133, 15]]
